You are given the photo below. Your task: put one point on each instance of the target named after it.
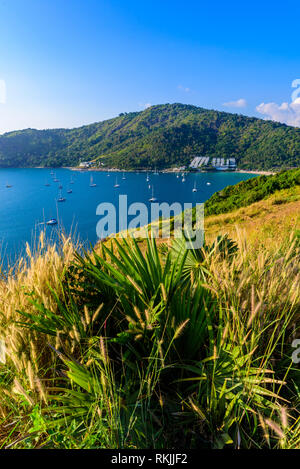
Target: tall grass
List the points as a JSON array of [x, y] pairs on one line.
[[131, 346]]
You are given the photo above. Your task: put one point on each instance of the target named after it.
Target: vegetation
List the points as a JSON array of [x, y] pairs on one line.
[[135, 345], [162, 136], [144, 344], [250, 191]]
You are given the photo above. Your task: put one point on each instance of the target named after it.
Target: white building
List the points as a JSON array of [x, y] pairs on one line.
[[84, 164]]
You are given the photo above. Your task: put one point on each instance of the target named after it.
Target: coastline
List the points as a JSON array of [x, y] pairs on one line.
[[261, 173], [169, 170]]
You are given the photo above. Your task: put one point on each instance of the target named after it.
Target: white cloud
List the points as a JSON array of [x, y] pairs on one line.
[[184, 88], [145, 105], [286, 113], [238, 103]]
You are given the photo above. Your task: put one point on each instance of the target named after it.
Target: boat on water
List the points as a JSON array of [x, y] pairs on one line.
[[208, 183], [60, 186], [69, 191], [61, 198], [195, 187], [183, 178], [153, 199], [92, 183], [116, 184], [47, 184], [123, 177], [147, 178], [71, 180], [8, 185], [52, 221]]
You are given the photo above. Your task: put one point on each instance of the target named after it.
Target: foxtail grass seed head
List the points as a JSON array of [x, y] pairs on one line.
[[18, 388], [87, 315], [97, 312], [180, 328], [276, 428], [103, 350]]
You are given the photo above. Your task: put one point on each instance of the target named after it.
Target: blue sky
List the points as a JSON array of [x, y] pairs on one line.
[[73, 62]]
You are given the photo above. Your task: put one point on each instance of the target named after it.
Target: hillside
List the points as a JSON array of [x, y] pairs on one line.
[[266, 209], [253, 190], [162, 136], [170, 347], [268, 222]]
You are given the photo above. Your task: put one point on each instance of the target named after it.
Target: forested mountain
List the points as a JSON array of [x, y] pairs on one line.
[[162, 136]]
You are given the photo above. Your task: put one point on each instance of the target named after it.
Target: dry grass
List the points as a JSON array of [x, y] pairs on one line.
[[266, 223], [26, 350]]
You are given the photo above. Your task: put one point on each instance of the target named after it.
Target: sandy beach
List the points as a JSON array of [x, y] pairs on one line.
[[261, 173]]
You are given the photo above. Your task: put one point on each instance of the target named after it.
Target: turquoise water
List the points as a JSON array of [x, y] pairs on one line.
[[28, 203]]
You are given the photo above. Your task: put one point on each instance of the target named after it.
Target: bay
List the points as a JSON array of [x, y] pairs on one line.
[[28, 203]]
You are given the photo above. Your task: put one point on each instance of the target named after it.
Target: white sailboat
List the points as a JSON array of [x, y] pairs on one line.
[[61, 198], [123, 177], [52, 221], [153, 199], [195, 187], [116, 184], [147, 178], [92, 184]]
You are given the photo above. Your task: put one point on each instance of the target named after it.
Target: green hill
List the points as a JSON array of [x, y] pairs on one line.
[[247, 192], [162, 136]]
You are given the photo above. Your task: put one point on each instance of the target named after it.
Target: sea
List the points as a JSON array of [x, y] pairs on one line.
[[29, 198]]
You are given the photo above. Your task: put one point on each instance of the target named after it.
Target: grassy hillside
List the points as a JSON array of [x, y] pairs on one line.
[[144, 346], [269, 222], [250, 191], [162, 136]]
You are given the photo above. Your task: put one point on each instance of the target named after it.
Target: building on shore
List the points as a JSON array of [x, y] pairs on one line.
[[84, 164], [207, 163]]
